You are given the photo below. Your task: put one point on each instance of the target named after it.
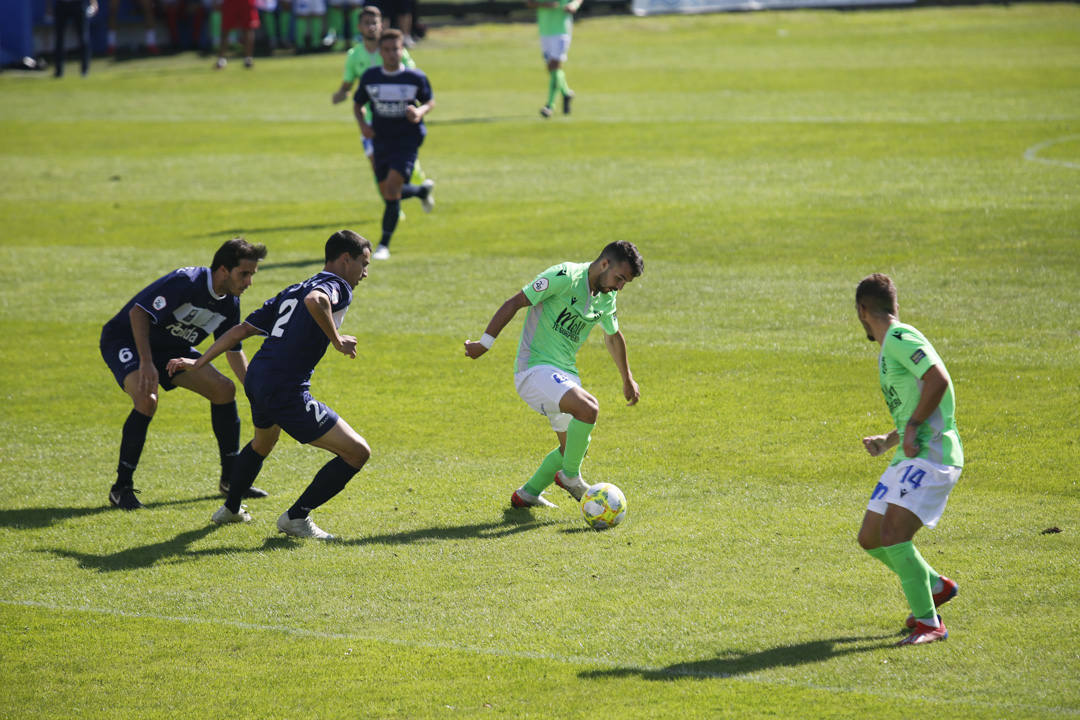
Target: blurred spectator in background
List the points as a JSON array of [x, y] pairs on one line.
[[241, 15], [150, 36], [399, 14], [175, 10], [342, 19], [78, 13], [309, 24]]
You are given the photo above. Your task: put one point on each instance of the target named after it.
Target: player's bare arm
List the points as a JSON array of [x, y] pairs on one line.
[[616, 346], [342, 93], [572, 7], [416, 113], [502, 316], [238, 362], [318, 304], [236, 334], [140, 330], [935, 382], [878, 444], [365, 129]]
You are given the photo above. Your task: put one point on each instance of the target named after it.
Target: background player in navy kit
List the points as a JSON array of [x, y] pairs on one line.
[[298, 324], [400, 97], [167, 319]]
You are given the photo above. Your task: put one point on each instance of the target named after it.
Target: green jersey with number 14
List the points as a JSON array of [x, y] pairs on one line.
[[905, 357], [563, 313]]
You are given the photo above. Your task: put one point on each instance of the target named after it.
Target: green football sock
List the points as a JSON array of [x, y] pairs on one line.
[[285, 25], [354, 23], [316, 30], [269, 19], [301, 32], [880, 554], [553, 87], [577, 442], [914, 575], [215, 29], [560, 77], [335, 20], [545, 474], [418, 175]]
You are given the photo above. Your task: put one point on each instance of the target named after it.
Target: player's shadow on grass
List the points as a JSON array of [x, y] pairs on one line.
[[732, 663], [514, 521], [174, 550], [29, 518]]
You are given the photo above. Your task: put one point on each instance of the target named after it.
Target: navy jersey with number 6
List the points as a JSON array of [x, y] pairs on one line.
[[183, 309], [294, 342], [389, 94]]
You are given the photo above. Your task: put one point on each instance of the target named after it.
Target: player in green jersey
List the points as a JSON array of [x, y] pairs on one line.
[[565, 302], [361, 56], [914, 489], [556, 21]]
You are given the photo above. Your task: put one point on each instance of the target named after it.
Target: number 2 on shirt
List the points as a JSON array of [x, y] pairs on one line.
[[286, 311]]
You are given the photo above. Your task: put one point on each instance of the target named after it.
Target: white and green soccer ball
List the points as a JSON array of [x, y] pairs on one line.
[[603, 506]]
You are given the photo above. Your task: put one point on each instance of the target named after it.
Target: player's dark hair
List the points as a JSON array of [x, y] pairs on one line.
[[346, 241], [624, 251], [391, 34], [371, 10], [233, 251], [877, 293]]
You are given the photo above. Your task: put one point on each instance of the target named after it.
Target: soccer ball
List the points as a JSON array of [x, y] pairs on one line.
[[603, 506]]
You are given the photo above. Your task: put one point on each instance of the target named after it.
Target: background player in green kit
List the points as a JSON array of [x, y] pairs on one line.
[[913, 491], [361, 56], [556, 21], [565, 302]]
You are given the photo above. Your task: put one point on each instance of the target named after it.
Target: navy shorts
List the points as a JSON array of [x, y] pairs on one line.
[[293, 409], [120, 355], [400, 159]]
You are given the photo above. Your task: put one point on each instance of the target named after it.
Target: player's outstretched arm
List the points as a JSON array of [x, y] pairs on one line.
[[318, 304], [502, 316], [878, 444], [616, 346], [236, 334]]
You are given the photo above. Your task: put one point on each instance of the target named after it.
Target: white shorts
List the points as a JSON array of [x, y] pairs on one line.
[[919, 485], [555, 47], [542, 387], [266, 5]]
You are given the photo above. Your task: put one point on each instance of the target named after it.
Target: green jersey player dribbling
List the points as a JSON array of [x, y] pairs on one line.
[[913, 490], [565, 302]]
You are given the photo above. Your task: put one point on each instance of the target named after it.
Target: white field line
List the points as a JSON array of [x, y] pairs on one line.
[[1032, 153], [525, 655]]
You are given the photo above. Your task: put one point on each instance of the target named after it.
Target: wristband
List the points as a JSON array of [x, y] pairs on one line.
[[487, 340]]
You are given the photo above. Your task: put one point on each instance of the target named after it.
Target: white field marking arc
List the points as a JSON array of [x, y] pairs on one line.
[[1032, 153], [518, 654]]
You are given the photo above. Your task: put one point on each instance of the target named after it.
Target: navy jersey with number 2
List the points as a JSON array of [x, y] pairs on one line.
[[294, 342]]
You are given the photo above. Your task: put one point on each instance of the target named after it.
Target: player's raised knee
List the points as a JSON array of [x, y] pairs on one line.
[[358, 454]]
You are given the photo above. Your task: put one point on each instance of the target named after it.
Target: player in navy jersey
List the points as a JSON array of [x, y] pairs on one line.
[[400, 97], [167, 319], [299, 324]]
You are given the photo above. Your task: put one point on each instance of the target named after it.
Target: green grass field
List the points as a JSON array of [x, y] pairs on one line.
[[763, 163]]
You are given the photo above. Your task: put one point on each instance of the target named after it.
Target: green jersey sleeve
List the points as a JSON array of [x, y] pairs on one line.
[[552, 282], [911, 350]]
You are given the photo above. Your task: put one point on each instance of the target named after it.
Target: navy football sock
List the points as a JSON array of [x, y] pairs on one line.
[[245, 470], [132, 439], [226, 423], [389, 220], [328, 482]]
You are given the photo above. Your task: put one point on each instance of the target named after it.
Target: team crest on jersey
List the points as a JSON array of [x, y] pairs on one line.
[[540, 285], [159, 302], [917, 356]]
